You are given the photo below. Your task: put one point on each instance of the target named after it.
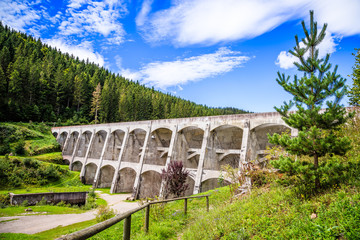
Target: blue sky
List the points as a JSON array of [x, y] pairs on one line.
[[215, 52]]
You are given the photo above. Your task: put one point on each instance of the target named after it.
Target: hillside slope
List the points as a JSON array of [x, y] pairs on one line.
[[39, 83]]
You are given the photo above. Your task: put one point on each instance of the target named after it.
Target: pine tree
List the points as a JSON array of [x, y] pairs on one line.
[[96, 101], [316, 136], [354, 93]]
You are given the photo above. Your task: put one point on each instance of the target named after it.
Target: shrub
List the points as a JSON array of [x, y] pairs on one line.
[[20, 147], [175, 179], [104, 213]]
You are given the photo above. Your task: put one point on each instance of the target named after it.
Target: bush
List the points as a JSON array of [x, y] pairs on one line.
[[175, 179], [104, 213], [4, 200]]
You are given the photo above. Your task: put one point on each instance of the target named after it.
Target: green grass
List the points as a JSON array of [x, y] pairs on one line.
[[38, 210]]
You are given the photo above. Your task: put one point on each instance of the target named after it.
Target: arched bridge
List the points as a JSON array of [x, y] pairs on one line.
[[129, 156]]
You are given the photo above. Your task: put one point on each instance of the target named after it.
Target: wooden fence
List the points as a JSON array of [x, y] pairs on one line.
[[92, 230]]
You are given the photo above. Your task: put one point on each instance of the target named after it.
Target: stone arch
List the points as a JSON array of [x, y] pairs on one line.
[[150, 184], [188, 146], [98, 144], [71, 143], [259, 141], [62, 139], [90, 172], [126, 180], [55, 134], [83, 144], [106, 176], [134, 145], [76, 166], [66, 161], [158, 146], [114, 145], [212, 183], [224, 144]]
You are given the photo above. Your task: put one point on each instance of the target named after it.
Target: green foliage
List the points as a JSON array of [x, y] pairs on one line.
[[47, 85], [175, 179], [17, 173], [104, 213], [317, 135], [354, 93]]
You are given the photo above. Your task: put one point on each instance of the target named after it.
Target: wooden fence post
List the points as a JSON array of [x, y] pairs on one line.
[[127, 228], [147, 215], [185, 206], [207, 203]]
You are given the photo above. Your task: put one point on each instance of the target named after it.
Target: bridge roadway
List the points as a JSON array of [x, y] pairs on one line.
[[129, 156]]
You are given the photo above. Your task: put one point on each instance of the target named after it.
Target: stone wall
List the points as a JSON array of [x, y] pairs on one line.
[[78, 198]]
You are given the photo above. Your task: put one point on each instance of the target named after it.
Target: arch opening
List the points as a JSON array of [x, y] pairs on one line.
[[212, 183], [150, 184], [223, 147], [62, 139], [98, 144], [188, 146], [83, 144], [114, 145], [134, 146], [158, 147], [90, 171], [106, 176], [76, 166], [259, 141], [126, 180], [71, 144]]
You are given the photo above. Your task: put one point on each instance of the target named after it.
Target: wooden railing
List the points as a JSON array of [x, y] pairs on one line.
[[91, 231]]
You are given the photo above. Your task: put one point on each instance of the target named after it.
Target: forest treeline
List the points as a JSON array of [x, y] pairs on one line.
[[39, 83]]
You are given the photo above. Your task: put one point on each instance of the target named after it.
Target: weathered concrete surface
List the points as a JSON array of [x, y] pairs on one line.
[[38, 223], [129, 156], [78, 198]]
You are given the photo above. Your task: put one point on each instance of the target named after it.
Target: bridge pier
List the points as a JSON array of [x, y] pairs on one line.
[[203, 144]]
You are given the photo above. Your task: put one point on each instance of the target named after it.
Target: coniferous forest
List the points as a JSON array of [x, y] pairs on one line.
[[39, 83]]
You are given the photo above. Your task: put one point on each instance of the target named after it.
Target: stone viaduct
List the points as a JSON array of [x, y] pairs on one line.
[[129, 156]]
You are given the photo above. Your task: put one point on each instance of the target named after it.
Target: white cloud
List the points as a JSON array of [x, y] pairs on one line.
[[211, 21], [18, 14], [95, 17], [208, 22], [342, 16], [285, 60], [83, 51], [182, 71], [145, 9]]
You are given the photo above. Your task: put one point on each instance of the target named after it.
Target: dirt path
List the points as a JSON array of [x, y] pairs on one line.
[[38, 223]]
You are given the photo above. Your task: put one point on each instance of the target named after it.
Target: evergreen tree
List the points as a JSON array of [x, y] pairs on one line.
[[96, 101], [354, 93], [316, 136]]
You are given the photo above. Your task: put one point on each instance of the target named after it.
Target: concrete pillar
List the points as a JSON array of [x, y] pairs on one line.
[[245, 145], [108, 135], [122, 150], [82, 173], [170, 154], [199, 171], [75, 150], [294, 132], [66, 141], [139, 168]]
